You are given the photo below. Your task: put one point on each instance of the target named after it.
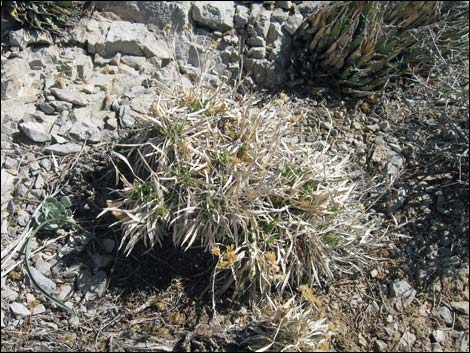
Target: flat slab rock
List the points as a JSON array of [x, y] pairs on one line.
[[63, 149]]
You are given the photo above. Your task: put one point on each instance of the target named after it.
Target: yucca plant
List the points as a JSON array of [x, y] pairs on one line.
[[53, 17], [359, 46], [211, 168]]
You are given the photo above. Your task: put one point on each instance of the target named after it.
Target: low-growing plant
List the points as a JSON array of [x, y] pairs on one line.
[[229, 182]]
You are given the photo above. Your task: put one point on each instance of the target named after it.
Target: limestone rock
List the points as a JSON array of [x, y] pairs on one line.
[[132, 39], [217, 15], [35, 131], [158, 13]]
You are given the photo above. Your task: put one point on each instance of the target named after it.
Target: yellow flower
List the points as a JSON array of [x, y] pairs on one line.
[[216, 251], [167, 26], [271, 256], [186, 27], [324, 345], [308, 294]]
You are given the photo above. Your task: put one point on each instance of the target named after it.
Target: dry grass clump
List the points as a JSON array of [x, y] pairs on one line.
[[291, 326], [214, 169]]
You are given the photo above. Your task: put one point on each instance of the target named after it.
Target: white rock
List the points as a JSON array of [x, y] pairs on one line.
[[9, 295], [63, 149], [38, 309], [42, 266], [133, 39], [293, 23], [65, 292], [439, 336], [241, 16], [157, 13], [461, 307], [217, 15], [407, 341], [8, 182], [279, 15], [84, 67], [35, 131], [402, 289], [263, 22], [69, 95], [19, 310], [256, 53], [44, 282], [22, 38], [445, 315]]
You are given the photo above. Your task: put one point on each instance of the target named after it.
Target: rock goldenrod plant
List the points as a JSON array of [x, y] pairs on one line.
[[213, 168], [290, 326], [361, 45]]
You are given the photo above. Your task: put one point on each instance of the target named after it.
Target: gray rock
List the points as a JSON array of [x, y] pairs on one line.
[[217, 15], [464, 342], [63, 149], [136, 62], [45, 283], [84, 67], [65, 292], [35, 131], [22, 38], [8, 182], [241, 16], [380, 346], [293, 23], [402, 289], [132, 39], [439, 336], [19, 310], [445, 315], [9, 295], [69, 95], [461, 307], [256, 53], [436, 347], [307, 7], [274, 33], [10, 163], [62, 106], [92, 287], [256, 41], [42, 266], [263, 22], [279, 15], [157, 13], [46, 108], [58, 139], [284, 4], [407, 341], [22, 217], [38, 309]]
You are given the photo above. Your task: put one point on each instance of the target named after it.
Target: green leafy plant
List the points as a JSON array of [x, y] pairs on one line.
[[52, 215]]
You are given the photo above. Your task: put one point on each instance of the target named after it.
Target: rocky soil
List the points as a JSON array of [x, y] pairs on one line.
[[65, 104]]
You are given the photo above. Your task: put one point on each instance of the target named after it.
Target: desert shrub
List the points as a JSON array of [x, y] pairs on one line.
[[214, 168]]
